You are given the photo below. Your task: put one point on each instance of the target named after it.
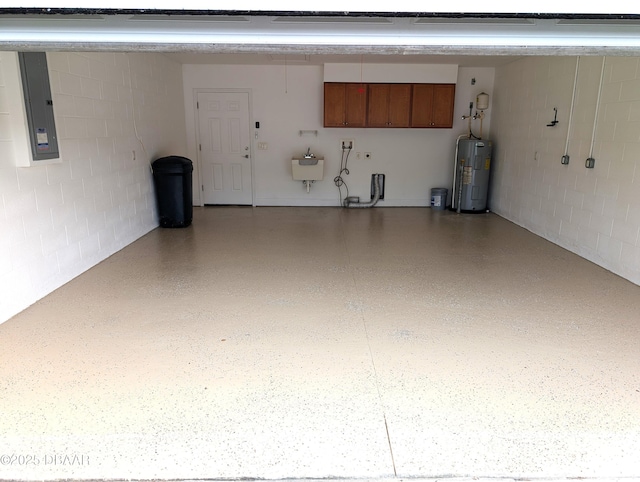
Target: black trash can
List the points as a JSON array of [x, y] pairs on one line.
[[174, 194]]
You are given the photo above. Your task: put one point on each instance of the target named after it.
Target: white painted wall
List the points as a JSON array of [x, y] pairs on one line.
[[288, 99], [592, 212], [59, 220], [385, 73]]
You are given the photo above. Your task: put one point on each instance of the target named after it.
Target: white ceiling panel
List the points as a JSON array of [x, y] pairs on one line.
[[397, 6], [464, 40]]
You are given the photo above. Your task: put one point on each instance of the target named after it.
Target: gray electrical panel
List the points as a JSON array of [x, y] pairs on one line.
[[39, 105]]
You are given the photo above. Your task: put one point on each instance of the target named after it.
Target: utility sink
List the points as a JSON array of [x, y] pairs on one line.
[[307, 169]]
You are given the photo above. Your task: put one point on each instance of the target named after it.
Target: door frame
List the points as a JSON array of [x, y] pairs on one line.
[[252, 135]]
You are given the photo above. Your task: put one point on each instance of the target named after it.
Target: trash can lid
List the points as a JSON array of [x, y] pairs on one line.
[[172, 165]]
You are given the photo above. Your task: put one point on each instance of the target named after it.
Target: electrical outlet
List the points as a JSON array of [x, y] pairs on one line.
[[263, 146], [347, 144]]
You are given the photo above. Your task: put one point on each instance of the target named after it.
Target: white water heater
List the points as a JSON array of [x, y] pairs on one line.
[[471, 175]]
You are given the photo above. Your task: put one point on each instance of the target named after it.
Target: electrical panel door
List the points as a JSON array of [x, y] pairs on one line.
[[39, 105]]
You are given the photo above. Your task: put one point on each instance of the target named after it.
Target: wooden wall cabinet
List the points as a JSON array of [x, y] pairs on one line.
[[389, 105], [432, 105], [345, 104]]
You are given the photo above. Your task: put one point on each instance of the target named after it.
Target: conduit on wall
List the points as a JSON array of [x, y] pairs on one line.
[[590, 162], [133, 113], [565, 157]]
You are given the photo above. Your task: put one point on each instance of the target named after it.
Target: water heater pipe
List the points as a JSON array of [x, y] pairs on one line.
[[459, 193], [481, 117], [468, 118], [482, 104], [455, 194]]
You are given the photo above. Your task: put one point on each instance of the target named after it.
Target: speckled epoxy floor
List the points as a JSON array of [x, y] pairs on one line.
[[320, 342]]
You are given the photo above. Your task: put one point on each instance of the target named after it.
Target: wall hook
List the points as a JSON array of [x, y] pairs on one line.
[[555, 118]]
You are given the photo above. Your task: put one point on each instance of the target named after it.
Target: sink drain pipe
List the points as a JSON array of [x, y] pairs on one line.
[[353, 201]]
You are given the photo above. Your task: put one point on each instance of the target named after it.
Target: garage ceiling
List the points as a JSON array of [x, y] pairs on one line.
[[200, 37]]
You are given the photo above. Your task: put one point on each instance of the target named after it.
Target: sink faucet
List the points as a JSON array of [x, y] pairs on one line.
[[308, 154]]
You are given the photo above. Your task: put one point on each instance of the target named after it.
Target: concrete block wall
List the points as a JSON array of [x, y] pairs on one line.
[[592, 212], [61, 219]]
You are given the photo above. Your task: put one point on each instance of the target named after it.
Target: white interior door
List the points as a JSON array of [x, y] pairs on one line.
[[225, 147]]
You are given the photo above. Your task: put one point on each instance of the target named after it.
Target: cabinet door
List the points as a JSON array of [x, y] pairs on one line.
[[345, 104], [399, 105], [334, 105], [422, 105], [443, 97], [378, 109], [432, 105], [355, 105], [389, 105]]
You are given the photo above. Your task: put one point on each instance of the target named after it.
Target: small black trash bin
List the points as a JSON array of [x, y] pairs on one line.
[[172, 181]]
